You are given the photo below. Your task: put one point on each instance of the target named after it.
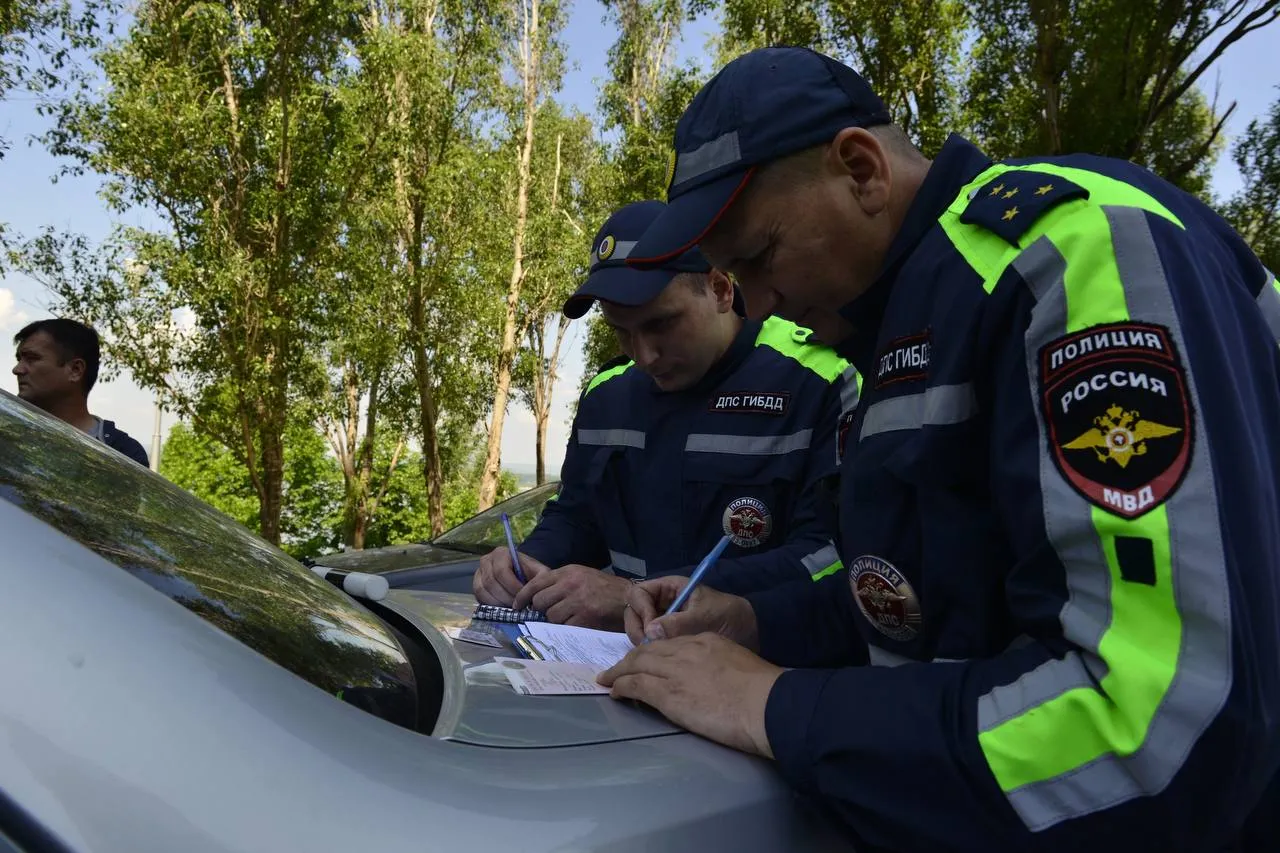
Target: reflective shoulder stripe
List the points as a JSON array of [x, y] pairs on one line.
[[612, 437], [851, 390], [989, 254], [1269, 304], [792, 341], [606, 375], [1116, 719]]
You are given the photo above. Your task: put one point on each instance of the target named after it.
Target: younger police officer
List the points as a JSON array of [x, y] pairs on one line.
[[713, 425], [1059, 500]]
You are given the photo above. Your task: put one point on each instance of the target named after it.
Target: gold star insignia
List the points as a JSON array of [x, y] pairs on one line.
[[1047, 188], [1010, 213], [1011, 193], [996, 189]]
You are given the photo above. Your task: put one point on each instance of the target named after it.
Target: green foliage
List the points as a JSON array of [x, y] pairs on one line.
[[1109, 77], [310, 523], [313, 519], [1255, 210]]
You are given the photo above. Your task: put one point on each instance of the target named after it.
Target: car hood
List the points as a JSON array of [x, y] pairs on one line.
[[378, 560], [479, 704]]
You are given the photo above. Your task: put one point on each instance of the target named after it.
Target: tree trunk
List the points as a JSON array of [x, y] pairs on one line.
[[530, 55], [269, 500]]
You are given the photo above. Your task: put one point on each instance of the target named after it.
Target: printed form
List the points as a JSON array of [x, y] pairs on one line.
[[569, 644]]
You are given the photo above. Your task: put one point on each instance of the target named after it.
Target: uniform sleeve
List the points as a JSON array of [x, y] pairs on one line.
[[567, 532], [1129, 723], [809, 623], [809, 551]]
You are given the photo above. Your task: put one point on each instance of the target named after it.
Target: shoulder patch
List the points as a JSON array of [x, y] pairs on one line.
[[1010, 203], [1118, 416]]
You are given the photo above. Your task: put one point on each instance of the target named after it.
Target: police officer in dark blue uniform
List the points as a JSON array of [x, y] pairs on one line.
[[1060, 495], [710, 425]]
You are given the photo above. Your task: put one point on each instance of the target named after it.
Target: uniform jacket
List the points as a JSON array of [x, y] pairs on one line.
[[652, 480], [1060, 516]]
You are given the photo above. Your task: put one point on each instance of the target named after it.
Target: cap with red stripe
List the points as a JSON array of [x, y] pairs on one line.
[[764, 105]]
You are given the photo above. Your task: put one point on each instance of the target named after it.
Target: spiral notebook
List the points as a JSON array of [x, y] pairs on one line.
[[492, 613]]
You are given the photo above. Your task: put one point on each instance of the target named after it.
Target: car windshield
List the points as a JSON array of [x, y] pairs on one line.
[[200, 558], [482, 533]]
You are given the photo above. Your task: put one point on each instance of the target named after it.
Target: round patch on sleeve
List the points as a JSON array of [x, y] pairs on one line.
[[885, 597]]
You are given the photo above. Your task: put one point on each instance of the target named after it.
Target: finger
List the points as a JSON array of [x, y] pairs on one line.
[[532, 566], [525, 594], [554, 594], [633, 624], [640, 686], [561, 612], [493, 593], [504, 575], [685, 623], [642, 602]]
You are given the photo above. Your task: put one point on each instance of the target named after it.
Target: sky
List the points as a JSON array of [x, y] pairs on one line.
[[30, 200]]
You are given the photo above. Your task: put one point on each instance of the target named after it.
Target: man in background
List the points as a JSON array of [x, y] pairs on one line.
[[57, 366]]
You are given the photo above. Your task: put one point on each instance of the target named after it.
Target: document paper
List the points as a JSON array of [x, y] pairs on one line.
[[599, 650], [549, 678]]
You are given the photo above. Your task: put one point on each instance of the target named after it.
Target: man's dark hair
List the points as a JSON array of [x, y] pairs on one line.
[[73, 339]]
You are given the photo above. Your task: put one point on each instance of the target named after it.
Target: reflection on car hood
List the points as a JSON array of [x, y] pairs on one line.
[[481, 708], [376, 560], [200, 558]]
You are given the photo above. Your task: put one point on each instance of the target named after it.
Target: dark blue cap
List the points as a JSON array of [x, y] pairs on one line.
[[763, 105], [611, 279]]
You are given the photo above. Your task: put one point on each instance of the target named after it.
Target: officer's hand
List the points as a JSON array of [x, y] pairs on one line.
[[495, 582], [706, 610], [577, 595], [707, 684]]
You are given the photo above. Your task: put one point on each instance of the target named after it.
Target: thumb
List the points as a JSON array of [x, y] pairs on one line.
[[679, 624]]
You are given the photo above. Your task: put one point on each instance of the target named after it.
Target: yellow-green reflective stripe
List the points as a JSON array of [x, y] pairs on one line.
[[1140, 645], [989, 254], [790, 340], [1140, 648], [829, 570], [607, 375]]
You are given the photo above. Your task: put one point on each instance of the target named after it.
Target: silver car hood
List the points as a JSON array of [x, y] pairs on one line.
[[481, 708]]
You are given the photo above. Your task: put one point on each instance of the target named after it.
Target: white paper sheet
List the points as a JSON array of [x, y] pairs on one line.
[[598, 649], [550, 678]]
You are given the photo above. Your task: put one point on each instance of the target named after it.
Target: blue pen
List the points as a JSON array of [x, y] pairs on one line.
[[696, 578], [511, 546]]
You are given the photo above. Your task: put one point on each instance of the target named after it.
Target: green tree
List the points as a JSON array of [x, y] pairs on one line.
[[436, 66], [311, 521], [537, 64], [231, 120], [563, 198], [1111, 77], [1255, 210]]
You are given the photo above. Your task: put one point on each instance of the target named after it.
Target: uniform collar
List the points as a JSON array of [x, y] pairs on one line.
[[956, 164], [742, 345]]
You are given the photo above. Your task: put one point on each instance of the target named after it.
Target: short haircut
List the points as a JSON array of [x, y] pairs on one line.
[[695, 281], [73, 340]]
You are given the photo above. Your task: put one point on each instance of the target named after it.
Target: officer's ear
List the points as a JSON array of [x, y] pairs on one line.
[[858, 155], [722, 288]]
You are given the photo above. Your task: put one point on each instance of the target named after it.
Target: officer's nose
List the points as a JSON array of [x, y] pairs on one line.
[[646, 354]]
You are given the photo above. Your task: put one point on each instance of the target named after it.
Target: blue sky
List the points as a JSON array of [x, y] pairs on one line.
[[29, 201]]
